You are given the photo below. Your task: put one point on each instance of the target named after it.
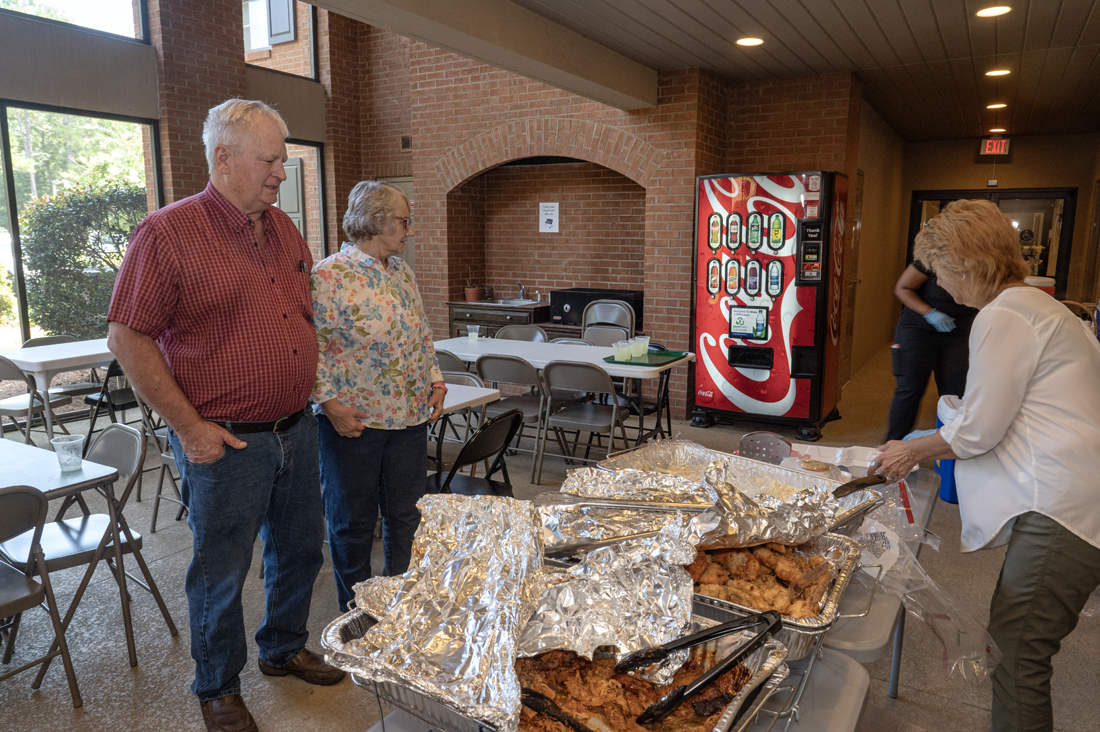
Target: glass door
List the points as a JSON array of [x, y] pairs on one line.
[[1043, 218]]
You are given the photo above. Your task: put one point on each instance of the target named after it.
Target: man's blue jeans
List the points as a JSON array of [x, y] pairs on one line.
[[384, 469], [270, 488]]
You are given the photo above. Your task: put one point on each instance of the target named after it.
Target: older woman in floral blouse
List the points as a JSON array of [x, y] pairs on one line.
[[378, 386]]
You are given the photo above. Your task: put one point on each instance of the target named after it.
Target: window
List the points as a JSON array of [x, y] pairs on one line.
[[121, 17], [300, 195], [81, 185], [278, 35]]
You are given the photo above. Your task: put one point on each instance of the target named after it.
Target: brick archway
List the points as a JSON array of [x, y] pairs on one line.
[[610, 147]]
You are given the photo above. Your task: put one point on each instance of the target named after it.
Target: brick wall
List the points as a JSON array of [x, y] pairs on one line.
[[601, 236], [292, 58], [386, 114], [200, 64], [338, 41]]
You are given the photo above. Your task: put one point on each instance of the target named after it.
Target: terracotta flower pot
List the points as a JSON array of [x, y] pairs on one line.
[[473, 294]]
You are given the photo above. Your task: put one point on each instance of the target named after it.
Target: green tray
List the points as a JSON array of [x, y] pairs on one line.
[[654, 358]]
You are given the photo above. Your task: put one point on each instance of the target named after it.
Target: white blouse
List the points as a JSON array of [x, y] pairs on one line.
[[1028, 432]]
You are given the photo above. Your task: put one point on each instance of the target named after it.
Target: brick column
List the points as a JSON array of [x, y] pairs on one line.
[[200, 62]]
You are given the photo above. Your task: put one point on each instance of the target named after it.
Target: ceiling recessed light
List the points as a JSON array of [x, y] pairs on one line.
[[998, 129], [998, 72], [994, 11], [750, 41], [998, 105]]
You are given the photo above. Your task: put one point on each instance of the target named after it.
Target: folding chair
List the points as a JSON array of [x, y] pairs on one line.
[[88, 539], [512, 370], [118, 398], [608, 312], [23, 511], [450, 362], [491, 439], [27, 405], [605, 335], [595, 419], [531, 333]]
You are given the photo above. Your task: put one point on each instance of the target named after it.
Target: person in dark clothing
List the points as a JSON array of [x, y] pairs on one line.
[[932, 337]]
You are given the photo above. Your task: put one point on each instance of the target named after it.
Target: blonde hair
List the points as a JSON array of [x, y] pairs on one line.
[[372, 205], [971, 245], [230, 122]]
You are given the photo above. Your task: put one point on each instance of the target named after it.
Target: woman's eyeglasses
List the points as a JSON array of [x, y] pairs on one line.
[[406, 222]]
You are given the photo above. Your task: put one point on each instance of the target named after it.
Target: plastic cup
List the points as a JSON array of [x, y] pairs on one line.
[[472, 332], [68, 449], [622, 350], [639, 347]]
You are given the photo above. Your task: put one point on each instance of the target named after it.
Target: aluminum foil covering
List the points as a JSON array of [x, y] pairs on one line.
[[798, 634], [450, 629], [632, 484], [631, 596]]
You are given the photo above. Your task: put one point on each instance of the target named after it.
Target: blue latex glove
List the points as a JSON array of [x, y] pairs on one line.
[[916, 434], [942, 322]]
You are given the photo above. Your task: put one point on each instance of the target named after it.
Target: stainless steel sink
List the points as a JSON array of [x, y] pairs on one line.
[[517, 301]]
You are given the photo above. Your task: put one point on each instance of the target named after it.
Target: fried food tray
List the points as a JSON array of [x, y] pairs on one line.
[[690, 460], [798, 634], [767, 665]]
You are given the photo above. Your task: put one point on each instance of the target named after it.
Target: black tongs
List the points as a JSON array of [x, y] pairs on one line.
[[545, 705], [858, 484], [649, 656], [670, 702]]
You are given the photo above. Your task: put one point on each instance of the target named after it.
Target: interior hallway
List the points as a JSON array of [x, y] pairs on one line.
[[156, 694]]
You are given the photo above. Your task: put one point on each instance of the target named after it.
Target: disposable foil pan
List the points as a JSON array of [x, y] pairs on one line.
[[691, 460], [798, 634], [766, 664]]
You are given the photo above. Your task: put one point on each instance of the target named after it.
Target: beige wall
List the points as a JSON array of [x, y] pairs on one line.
[[1049, 161], [882, 236]]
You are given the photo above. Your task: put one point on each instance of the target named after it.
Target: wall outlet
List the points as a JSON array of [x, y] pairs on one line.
[[991, 183]]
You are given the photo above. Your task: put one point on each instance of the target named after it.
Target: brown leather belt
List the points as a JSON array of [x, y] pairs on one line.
[[282, 424]]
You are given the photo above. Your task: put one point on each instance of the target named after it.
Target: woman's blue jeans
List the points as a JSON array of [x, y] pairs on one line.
[[270, 489], [380, 469]]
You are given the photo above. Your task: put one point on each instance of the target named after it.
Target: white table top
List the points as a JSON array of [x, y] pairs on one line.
[[540, 354], [36, 467], [462, 396], [59, 357]]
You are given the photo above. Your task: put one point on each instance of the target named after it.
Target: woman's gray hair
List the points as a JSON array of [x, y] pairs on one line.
[[372, 205], [230, 122]]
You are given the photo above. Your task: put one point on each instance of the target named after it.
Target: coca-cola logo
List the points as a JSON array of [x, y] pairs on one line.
[[838, 260], [707, 394]]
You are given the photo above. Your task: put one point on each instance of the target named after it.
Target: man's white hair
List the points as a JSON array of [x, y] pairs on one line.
[[230, 122]]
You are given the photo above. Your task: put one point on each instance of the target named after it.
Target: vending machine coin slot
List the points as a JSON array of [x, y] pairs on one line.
[[755, 225], [733, 277], [811, 252], [777, 231], [803, 362], [775, 279], [733, 231], [714, 240], [753, 275]]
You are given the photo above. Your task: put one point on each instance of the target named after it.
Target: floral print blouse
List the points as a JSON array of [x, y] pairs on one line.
[[376, 351]]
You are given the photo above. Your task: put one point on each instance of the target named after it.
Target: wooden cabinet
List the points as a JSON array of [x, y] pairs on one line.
[[493, 316]]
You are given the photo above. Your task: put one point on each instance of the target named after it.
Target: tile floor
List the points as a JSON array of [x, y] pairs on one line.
[[156, 696]]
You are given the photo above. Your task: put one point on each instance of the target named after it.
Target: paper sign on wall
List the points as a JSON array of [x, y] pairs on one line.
[[548, 218]]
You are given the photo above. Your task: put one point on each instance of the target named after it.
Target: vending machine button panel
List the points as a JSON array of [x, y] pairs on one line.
[[811, 252]]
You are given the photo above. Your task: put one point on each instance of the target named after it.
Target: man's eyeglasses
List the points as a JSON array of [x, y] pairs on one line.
[[407, 223]]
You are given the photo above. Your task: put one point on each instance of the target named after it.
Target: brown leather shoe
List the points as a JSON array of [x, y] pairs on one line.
[[308, 667], [227, 714]]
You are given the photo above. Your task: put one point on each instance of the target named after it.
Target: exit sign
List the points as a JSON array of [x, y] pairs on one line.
[[994, 146]]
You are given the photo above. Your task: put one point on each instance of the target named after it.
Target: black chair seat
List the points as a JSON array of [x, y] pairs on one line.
[[464, 485], [119, 399], [18, 592], [71, 542]]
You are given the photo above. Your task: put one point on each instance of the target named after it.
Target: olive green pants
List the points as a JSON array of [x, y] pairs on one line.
[[1047, 577]]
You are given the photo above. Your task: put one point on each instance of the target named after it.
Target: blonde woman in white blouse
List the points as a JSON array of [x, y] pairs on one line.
[[1028, 442]]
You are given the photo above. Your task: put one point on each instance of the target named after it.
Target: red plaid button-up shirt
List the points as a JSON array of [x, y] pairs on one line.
[[234, 320]]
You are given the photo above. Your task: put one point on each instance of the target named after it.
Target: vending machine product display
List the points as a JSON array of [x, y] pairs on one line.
[[766, 323]]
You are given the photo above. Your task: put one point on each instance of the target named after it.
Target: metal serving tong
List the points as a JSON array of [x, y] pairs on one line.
[[568, 500], [545, 705], [666, 705], [583, 547]]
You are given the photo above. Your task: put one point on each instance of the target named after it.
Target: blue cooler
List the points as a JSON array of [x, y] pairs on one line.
[[946, 468]]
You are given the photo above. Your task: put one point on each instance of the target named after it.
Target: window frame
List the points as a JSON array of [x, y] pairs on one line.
[[8, 171], [143, 20]]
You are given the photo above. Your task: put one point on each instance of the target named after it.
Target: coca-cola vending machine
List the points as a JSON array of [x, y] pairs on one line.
[[769, 263]]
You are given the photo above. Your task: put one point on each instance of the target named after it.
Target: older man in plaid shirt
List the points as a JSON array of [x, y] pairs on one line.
[[212, 321]]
